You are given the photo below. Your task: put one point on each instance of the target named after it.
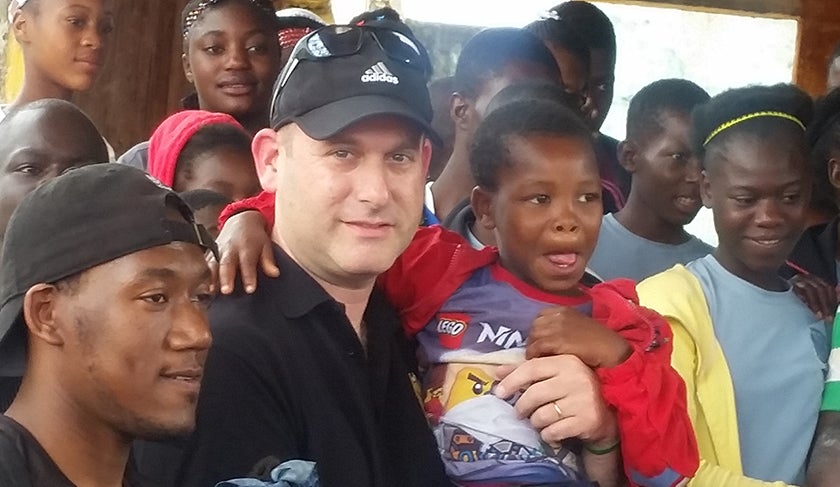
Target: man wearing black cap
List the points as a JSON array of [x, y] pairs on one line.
[[313, 365], [103, 275]]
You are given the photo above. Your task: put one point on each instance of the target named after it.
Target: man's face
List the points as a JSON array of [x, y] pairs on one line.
[[232, 60], [66, 40], [666, 173], [136, 338], [39, 145], [349, 205], [600, 88], [574, 73]]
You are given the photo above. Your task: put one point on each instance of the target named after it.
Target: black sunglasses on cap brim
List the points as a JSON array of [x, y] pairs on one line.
[[334, 41]]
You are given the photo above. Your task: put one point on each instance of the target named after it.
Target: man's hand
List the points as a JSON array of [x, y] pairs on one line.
[[564, 330], [562, 398], [243, 244], [818, 295]]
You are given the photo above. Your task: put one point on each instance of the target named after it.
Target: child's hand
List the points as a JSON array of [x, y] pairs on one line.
[[565, 330], [818, 295], [243, 243]]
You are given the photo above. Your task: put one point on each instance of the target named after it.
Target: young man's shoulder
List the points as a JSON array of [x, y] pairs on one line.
[[23, 462], [13, 469], [276, 303]]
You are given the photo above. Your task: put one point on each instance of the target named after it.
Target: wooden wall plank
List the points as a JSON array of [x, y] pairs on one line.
[[819, 32], [132, 93]]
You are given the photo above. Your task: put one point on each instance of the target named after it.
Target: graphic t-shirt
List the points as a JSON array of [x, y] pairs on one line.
[[485, 324]]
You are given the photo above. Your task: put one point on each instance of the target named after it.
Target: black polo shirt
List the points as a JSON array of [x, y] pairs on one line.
[[287, 377]]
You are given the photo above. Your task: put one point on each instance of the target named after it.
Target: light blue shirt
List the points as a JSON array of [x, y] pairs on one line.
[[776, 350], [621, 253]]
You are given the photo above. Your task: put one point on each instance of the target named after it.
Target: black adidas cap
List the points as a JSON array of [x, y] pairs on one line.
[[326, 95], [81, 219]]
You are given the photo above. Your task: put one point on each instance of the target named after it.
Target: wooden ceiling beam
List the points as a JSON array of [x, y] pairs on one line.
[[764, 8]]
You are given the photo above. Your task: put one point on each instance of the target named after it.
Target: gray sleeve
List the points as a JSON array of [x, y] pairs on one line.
[[137, 156]]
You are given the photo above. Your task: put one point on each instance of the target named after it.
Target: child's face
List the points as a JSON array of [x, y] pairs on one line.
[[225, 170], [547, 211], [665, 173], [66, 40], [232, 60], [758, 189]]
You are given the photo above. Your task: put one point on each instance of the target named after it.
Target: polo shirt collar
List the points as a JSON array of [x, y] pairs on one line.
[[297, 293]]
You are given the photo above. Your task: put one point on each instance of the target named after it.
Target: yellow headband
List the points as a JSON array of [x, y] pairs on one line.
[[750, 116]]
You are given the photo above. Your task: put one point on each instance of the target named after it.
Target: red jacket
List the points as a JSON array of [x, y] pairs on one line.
[[657, 440]]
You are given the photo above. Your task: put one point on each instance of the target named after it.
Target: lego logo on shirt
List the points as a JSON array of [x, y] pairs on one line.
[[451, 328]]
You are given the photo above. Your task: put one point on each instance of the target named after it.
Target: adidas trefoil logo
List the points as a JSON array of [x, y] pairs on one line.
[[379, 73]]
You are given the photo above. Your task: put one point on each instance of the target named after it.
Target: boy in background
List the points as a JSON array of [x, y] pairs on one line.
[[647, 236]]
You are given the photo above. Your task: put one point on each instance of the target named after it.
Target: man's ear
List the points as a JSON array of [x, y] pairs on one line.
[[426, 154], [266, 152], [627, 152], [481, 201], [460, 111], [185, 62], [833, 168], [705, 189], [40, 312], [20, 27]]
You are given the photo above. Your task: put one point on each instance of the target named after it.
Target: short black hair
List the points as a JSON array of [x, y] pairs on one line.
[[209, 138], [490, 153], [654, 101], [732, 104], [590, 22], [824, 141], [263, 11], [385, 13], [533, 90], [83, 125], [489, 51], [559, 33], [198, 199]]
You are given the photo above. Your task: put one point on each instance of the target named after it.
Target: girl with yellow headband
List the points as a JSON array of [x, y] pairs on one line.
[[64, 44], [753, 356]]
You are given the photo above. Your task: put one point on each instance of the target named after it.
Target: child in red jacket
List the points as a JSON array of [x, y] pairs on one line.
[[472, 311]]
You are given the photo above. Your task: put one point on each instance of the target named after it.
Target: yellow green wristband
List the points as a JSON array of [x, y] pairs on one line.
[[603, 451]]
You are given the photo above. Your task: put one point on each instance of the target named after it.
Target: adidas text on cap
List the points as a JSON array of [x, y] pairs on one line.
[[325, 96]]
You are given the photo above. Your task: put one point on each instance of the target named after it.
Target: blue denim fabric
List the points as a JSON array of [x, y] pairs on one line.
[[293, 473]]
